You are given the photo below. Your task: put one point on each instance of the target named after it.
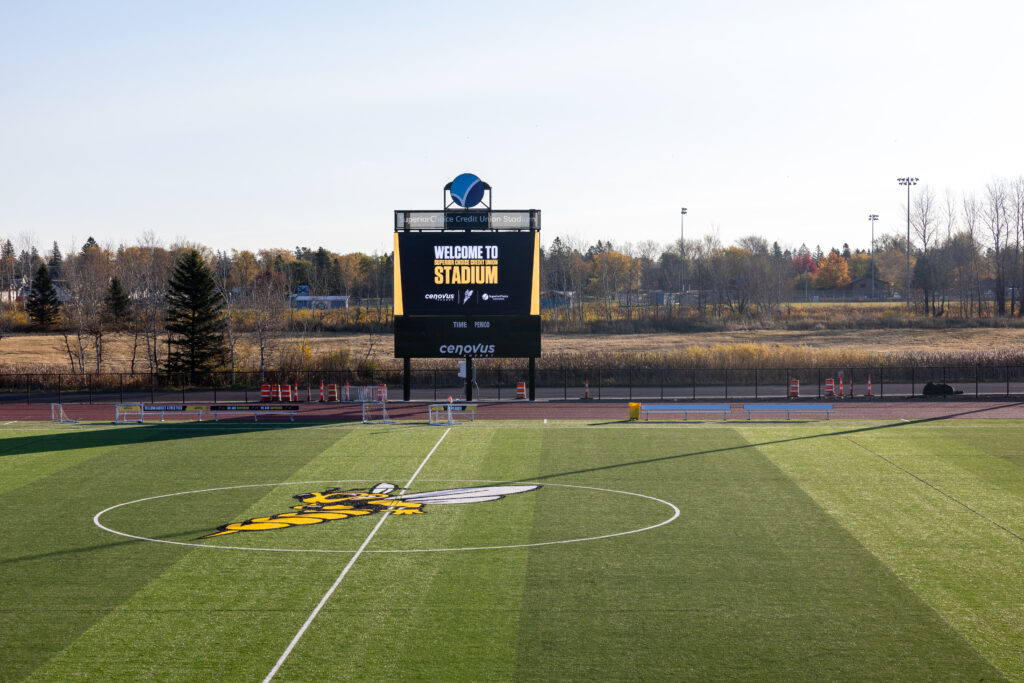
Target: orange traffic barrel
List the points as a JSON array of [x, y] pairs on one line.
[[264, 393], [332, 392], [794, 388], [521, 389]]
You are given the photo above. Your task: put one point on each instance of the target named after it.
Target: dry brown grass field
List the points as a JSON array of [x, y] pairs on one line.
[[46, 352]]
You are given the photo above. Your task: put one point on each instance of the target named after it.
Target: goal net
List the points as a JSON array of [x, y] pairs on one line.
[[58, 415], [376, 412], [128, 412]]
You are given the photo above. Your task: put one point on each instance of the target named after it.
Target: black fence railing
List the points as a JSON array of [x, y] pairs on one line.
[[676, 384]]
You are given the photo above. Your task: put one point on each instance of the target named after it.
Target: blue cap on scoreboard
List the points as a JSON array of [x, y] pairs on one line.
[[467, 190]]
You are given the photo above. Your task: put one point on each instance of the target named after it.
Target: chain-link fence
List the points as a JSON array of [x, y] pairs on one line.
[[497, 384]]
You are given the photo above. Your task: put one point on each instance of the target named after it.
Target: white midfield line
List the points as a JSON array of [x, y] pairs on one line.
[[337, 582]]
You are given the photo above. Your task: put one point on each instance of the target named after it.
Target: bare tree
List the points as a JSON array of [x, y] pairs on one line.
[[144, 270], [85, 282], [996, 218], [924, 217], [971, 212], [223, 275], [1017, 271], [949, 213], [265, 299]]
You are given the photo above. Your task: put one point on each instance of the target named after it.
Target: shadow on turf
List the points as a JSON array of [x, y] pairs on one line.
[[75, 439], [91, 548], [845, 432]]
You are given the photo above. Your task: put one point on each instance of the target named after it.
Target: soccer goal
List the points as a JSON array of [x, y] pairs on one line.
[[58, 415], [376, 412], [128, 412]]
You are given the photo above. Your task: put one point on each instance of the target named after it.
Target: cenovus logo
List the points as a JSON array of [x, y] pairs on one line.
[[467, 190]]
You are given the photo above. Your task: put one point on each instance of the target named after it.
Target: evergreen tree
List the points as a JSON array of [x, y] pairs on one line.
[[56, 261], [43, 306], [89, 244], [8, 265], [195, 321], [117, 306]]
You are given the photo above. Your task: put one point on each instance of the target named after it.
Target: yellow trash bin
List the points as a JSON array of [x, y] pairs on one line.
[[634, 411]]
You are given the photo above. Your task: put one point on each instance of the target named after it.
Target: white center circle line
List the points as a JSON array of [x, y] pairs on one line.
[[96, 520]]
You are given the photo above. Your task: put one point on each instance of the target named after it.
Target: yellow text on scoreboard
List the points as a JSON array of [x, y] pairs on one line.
[[466, 264]]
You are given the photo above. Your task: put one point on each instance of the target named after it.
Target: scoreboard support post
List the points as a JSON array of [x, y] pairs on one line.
[[469, 378], [406, 378], [533, 379]]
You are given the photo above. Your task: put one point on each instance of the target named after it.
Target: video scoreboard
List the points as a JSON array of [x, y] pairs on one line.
[[467, 292]]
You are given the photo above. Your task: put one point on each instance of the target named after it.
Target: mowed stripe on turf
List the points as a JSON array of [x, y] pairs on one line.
[[28, 454], [227, 615], [936, 510], [62, 575], [434, 616], [754, 580]]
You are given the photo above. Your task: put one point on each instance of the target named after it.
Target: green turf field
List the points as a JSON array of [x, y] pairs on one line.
[[820, 550]]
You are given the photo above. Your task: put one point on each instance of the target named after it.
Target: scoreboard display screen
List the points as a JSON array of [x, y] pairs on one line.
[[467, 294], [467, 273]]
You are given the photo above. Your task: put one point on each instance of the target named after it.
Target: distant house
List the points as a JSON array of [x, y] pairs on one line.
[[320, 303], [553, 298], [860, 288], [659, 297], [23, 292]]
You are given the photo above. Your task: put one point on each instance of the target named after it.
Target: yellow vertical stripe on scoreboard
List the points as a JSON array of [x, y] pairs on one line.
[[535, 287], [398, 280]]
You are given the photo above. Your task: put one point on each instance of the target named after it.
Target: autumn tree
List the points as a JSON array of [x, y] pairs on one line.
[[833, 272], [804, 264]]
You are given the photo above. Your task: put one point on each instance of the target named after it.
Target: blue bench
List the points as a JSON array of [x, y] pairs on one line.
[[788, 408], [646, 409]]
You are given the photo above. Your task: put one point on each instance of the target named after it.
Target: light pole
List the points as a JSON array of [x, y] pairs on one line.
[[908, 182], [873, 217], [682, 252]]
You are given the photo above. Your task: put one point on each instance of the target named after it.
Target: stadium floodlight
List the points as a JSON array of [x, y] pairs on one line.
[[682, 252], [873, 217], [908, 182]]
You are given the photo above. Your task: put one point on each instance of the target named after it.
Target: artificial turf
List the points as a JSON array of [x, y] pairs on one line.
[[819, 550]]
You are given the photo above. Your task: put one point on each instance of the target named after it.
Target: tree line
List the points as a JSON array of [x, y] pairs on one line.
[[965, 259], [137, 290]]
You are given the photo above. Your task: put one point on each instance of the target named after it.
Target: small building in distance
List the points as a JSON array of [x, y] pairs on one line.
[[553, 298], [860, 288], [320, 302]]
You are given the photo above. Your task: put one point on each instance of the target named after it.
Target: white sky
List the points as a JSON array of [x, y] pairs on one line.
[[268, 124]]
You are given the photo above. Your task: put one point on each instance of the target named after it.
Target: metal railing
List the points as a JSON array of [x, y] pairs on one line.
[[676, 384]]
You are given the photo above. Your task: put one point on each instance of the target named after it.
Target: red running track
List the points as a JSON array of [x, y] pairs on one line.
[[861, 409]]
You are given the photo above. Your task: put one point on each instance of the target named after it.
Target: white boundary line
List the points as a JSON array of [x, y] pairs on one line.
[[337, 582], [675, 514]]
